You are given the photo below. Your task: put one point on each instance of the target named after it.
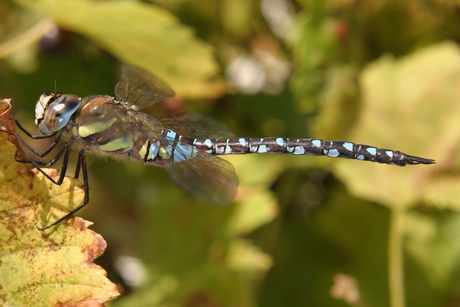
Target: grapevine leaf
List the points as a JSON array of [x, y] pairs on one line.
[[51, 267]]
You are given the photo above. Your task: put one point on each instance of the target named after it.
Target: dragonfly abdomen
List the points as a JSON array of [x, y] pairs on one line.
[[333, 149]]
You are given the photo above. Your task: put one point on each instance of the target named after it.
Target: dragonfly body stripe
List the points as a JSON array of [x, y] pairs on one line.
[[121, 144], [95, 127]]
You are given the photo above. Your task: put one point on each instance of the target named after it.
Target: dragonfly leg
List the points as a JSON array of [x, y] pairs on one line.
[[38, 165], [52, 161], [36, 137], [80, 164], [46, 151], [33, 136]]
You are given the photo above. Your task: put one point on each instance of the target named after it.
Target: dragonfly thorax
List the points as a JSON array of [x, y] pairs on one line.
[[54, 111]]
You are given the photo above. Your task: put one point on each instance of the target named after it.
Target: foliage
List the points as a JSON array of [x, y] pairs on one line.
[[303, 231], [53, 266]]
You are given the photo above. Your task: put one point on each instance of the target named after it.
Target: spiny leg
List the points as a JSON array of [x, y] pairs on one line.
[[54, 159], [80, 164], [36, 137], [33, 136], [66, 150], [46, 151], [38, 165]]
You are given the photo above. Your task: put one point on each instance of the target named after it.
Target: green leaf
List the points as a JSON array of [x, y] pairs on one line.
[[444, 193], [428, 239], [197, 253], [409, 105], [143, 35], [244, 256], [257, 209], [44, 268]]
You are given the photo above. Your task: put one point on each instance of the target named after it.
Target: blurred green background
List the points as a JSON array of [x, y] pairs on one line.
[[303, 231]]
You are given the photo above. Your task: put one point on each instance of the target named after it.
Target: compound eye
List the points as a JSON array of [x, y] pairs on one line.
[[64, 105], [42, 103], [57, 113]]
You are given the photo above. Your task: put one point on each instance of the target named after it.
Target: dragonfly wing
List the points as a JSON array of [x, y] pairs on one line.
[[206, 177], [194, 125], [139, 88]]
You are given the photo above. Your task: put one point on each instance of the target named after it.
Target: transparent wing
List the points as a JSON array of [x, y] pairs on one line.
[[195, 125], [139, 88], [206, 177]]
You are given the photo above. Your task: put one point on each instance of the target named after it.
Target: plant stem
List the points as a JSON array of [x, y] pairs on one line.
[[395, 257]]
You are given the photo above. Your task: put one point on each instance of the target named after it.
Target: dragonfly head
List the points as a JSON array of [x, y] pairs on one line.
[[53, 111]]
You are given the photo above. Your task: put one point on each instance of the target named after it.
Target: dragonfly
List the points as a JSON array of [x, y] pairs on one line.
[[187, 145]]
